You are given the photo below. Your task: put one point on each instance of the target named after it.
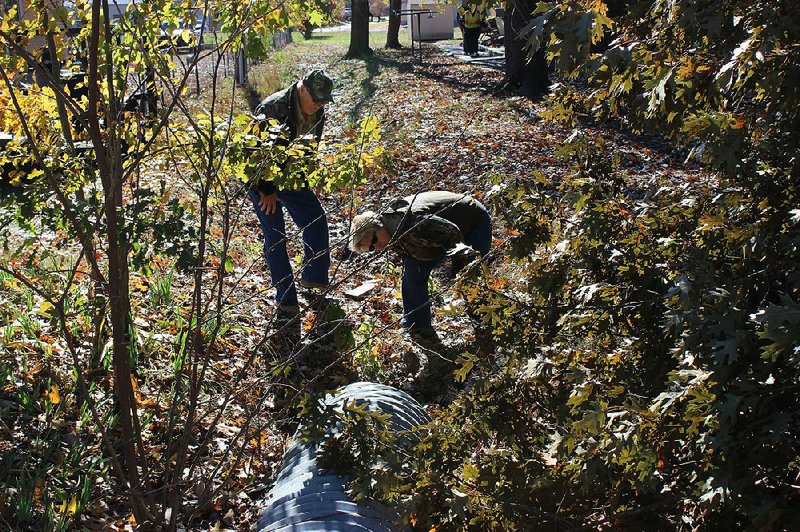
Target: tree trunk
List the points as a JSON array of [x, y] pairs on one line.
[[109, 167], [524, 73], [308, 29], [359, 30], [393, 34]]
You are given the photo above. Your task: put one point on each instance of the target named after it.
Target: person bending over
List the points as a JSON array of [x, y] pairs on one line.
[[423, 229]]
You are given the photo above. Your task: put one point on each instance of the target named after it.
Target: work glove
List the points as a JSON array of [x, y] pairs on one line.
[[463, 252]]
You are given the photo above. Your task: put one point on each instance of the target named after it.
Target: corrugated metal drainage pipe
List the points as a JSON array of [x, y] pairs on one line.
[[306, 499]]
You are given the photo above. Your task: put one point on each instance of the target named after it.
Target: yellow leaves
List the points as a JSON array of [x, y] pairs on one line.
[[711, 221], [238, 171], [58, 38], [616, 391], [316, 18], [601, 22], [370, 127], [203, 120], [627, 85], [274, 15], [275, 19], [244, 121], [308, 322], [47, 103], [469, 472], [466, 362], [689, 67], [9, 20], [368, 159], [71, 508], [44, 309], [53, 396], [615, 357], [260, 441], [33, 174], [579, 396], [15, 178], [139, 283], [359, 154]]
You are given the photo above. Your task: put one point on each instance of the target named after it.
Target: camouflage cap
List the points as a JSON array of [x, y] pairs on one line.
[[319, 85]]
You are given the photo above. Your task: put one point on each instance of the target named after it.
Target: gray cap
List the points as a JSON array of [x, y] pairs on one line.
[[363, 224], [319, 85]]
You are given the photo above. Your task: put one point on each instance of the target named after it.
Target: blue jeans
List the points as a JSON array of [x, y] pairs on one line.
[[416, 300], [307, 212]]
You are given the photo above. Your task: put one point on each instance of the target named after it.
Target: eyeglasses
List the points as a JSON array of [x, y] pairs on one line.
[[373, 241]]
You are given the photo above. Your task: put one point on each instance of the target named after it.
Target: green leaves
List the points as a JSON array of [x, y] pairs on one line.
[[781, 330], [674, 66], [349, 163], [656, 330], [465, 363], [359, 441]]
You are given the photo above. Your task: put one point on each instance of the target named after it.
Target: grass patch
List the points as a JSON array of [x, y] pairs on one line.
[[317, 38], [280, 68], [272, 75], [377, 37]]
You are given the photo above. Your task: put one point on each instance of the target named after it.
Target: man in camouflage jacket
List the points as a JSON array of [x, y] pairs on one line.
[[299, 109], [424, 228]]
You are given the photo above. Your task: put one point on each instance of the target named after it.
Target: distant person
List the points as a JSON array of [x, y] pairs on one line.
[[423, 229], [301, 109], [472, 17]]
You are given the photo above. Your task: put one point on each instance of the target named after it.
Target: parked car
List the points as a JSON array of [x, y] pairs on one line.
[[201, 28], [178, 37], [198, 31]]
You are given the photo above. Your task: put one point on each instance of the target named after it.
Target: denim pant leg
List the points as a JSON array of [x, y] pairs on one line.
[[416, 300], [307, 212], [274, 229], [480, 237]]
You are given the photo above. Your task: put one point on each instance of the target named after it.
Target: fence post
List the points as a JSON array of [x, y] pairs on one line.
[[240, 65]]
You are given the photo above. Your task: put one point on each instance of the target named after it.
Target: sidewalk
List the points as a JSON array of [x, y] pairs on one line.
[[488, 57]]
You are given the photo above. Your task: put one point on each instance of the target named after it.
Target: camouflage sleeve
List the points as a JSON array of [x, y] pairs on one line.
[[432, 237], [271, 108]]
